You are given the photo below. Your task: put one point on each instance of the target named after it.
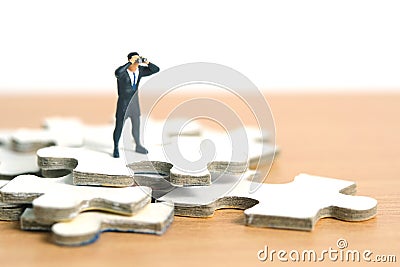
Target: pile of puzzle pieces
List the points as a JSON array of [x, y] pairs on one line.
[[66, 182]]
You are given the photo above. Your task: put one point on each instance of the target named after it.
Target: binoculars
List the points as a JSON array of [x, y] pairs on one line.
[[141, 60]]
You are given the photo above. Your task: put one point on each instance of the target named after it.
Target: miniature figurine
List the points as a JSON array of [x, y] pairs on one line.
[[128, 79]]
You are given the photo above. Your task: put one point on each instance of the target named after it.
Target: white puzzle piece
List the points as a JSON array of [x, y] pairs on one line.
[[56, 199], [9, 212], [96, 168], [154, 218], [193, 162], [88, 167], [5, 136], [99, 169], [56, 131], [297, 205], [99, 137], [15, 163]]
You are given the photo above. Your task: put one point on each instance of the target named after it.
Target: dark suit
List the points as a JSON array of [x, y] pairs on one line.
[[125, 94]]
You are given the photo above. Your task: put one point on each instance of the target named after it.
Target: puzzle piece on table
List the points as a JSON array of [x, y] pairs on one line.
[[5, 136], [56, 131], [186, 165], [100, 169], [14, 163], [96, 168], [99, 137], [156, 161], [88, 167], [260, 150], [56, 199], [154, 218], [72, 132], [296, 205], [9, 212]]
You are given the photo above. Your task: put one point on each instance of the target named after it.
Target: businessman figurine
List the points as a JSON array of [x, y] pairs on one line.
[[128, 79]]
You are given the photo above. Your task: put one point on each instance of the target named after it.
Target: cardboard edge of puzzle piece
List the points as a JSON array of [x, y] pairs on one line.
[[155, 218], [9, 212]]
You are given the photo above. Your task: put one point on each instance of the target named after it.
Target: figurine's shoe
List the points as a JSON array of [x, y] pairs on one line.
[[142, 150], [116, 153]]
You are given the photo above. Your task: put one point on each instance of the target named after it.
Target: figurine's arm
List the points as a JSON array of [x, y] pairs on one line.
[[122, 69], [150, 69]]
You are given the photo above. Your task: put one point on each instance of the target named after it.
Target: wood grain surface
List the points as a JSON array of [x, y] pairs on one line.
[[346, 136]]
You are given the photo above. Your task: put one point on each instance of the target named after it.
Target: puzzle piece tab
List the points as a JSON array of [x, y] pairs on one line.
[[297, 205], [154, 218], [56, 199]]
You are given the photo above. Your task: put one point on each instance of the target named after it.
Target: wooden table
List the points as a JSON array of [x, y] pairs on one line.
[[346, 136]]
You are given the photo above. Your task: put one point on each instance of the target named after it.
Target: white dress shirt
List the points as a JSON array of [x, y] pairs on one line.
[[131, 76]]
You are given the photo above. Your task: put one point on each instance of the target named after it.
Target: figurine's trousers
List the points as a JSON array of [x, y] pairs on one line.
[[133, 113]]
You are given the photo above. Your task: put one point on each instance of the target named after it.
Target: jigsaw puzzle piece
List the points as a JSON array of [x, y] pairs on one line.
[[313, 197], [100, 169], [96, 168], [161, 132], [297, 205], [203, 201], [9, 212], [55, 199], [251, 141], [191, 160], [14, 163], [56, 131], [88, 167], [5, 136], [154, 218], [99, 137]]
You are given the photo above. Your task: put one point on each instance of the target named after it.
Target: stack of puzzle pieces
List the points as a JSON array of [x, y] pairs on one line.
[[65, 181]]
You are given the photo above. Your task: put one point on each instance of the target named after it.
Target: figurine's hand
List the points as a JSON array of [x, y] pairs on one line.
[[147, 62], [133, 59]]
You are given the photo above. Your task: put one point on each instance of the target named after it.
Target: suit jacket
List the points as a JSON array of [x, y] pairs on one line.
[[124, 81], [125, 91]]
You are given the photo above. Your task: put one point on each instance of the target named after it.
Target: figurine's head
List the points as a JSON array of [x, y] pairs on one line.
[[133, 55], [130, 55], [133, 58]]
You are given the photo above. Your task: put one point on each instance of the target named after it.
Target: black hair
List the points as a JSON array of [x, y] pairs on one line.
[[132, 54]]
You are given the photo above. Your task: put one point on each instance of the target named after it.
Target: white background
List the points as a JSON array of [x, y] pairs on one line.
[[75, 45]]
